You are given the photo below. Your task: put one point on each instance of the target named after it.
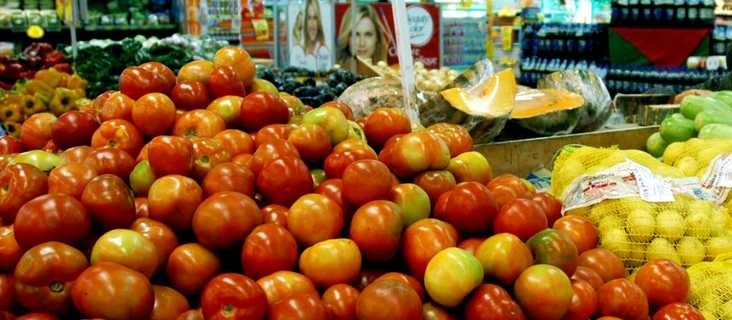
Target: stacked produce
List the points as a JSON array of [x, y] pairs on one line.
[[35, 57], [156, 208], [303, 83], [711, 288]]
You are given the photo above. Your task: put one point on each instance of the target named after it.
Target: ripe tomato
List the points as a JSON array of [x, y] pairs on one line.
[[120, 134], [10, 145], [284, 284], [111, 161], [272, 132], [504, 256], [9, 249], [544, 291], [491, 302], [435, 183], [228, 108], [415, 284], [159, 234], [589, 275], [76, 154], [554, 248], [136, 82], [19, 183], [53, 217], [7, 292], [584, 301], [191, 315], [458, 139], [70, 179], [224, 81], [471, 244], [376, 228], [142, 209], [311, 141], [190, 266], [388, 299], [340, 301], [331, 262], [236, 141], [170, 155], [337, 161], [284, 180], [190, 94], [207, 153], [431, 311], [678, 311], [128, 248], [314, 218], [239, 59], [117, 106], [229, 176], [224, 218], [366, 180], [507, 187], [551, 205], [664, 282], [307, 306], [109, 201], [469, 207], [112, 291], [168, 303], [163, 77], [267, 249], [196, 70], [173, 199], [97, 102], [580, 229], [604, 262], [521, 217], [30, 316], [233, 296], [37, 130], [153, 114], [424, 239], [624, 299], [44, 276], [275, 213], [344, 108], [271, 151], [384, 123], [199, 123], [74, 128], [415, 152], [259, 109]]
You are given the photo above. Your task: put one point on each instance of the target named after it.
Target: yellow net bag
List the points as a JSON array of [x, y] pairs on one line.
[[643, 208], [711, 287]]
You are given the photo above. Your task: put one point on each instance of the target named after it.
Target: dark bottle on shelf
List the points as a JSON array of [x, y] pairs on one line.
[[635, 11], [692, 13], [681, 16], [647, 12]]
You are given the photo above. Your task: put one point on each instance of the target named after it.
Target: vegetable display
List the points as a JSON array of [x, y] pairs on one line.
[[35, 57]]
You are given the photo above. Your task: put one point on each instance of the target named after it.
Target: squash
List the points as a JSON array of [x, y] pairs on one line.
[[597, 107], [547, 111]]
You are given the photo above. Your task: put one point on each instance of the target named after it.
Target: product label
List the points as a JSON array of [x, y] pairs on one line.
[[718, 179], [692, 187]]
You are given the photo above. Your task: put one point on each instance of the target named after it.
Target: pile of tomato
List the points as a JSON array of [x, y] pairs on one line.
[[157, 203]]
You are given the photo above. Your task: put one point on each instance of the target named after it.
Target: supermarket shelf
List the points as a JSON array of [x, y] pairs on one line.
[[89, 32]]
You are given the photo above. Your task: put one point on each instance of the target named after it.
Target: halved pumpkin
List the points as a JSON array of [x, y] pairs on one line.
[[493, 99], [547, 111]]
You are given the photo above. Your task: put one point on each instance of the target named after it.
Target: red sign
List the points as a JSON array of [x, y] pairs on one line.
[[369, 33]]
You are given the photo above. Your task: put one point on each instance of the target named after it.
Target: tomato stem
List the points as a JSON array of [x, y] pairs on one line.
[[56, 286], [227, 310]]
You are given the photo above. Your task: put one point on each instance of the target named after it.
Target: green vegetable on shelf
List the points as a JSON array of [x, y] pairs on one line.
[[676, 127], [693, 105], [708, 117], [716, 131]]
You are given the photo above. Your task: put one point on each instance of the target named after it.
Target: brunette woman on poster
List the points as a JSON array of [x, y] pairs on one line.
[[311, 51], [361, 34]]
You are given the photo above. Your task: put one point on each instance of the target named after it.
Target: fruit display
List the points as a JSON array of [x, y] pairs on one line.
[[710, 288], [35, 57], [431, 80], [305, 85]]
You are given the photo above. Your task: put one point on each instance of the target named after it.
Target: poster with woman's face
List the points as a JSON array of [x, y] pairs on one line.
[[310, 34]]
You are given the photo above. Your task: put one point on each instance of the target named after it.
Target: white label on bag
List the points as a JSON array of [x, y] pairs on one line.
[[720, 172], [692, 187]]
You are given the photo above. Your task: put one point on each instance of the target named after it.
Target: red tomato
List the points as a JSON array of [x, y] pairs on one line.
[[159, 234], [415, 284], [333, 189], [584, 301], [491, 302], [173, 200], [457, 138], [20, 183], [504, 257], [271, 151], [9, 249], [366, 180], [331, 262], [168, 303], [306, 306], [120, 134], [336, 162], [268, 248], [136, 82], [544, 291], [190, 94], [604, 262], [340, 301], [229, 176], [314, 218], [153, 114], [224, 218], [97, 103], [353, 144], [344, 108], [521, 217], [239, 59], [207, 153], [142, 208], [190, 266], [37, 130], [623, 299], [170, 155], [507, 187], [284, 180], [262, 108], [112, 291], [275, 213], [10, 145], [388, 299], [70, 179], [551, 205], [435, 183], [232, 295], [163, 77], [589, 275], [74, 128], [196, 70], [284, 284], [199, 123], [111, 161], [44, 276], [273, 132], [117, 106], [224, 81], [384, 123], [424, 239], [109, 201], [431, 311], [580, 229], [678, 311], [55, 217], [664, 282], [7, 292], [128, 248], [469, 207], [554, 248], [311, 141], [236, 141], [76, 154], [415, 152], [191, 315], [376, 228], [30, 316]]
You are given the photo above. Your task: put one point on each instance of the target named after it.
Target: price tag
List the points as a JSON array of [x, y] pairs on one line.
[[404, 52], [35, 32], [261, 29]]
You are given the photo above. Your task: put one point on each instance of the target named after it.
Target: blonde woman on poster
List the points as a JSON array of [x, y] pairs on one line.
[[361, 34], [310, 49]]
